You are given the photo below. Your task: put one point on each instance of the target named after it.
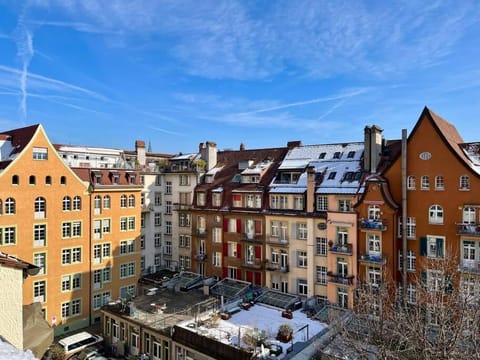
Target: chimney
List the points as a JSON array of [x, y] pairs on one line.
[[372, 148], [242, 147], [292, 144], [310, 189], [208, 153], [141, 152]]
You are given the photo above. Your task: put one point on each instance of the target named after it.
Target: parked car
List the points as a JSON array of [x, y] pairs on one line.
[[89, 353]]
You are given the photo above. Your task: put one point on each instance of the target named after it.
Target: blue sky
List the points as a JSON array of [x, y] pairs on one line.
[[176, 73]]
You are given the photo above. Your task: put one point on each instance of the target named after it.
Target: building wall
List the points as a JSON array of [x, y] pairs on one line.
[[11, 308]]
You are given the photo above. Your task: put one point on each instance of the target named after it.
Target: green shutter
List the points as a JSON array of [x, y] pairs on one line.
[[423, 246]]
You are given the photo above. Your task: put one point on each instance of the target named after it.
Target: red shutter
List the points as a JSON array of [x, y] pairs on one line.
[[249, 276], [225, 272], [237, 197], [258, 279], [239, 251], [239, 226], [225, 225], [239, 274], [225, 249], [258, 226], [258, 252]]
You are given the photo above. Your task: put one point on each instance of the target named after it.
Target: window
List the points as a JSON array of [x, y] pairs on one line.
[[127, 270], [131, 201], [32, 180], [77, 203], [321, 275], [342, 267], [322, 203], [343, 205], [63, 180], [332, 175], [71, 309], [8, 235], [302, 287], [322, 155], [168, 227], [435, 214], [411, 227], [127, 247], [158, 180], [424, 182], [10, 206], [101, 299], [411, 294], [48, 180], [435, 280], [411, 182], [40, 260], [158, 198], [15, 180], [106, 202], [411, 261], [97, 204], [302, 259], [374, 212], [66, 203], [351, 154], [337, 155], [131, 223], [71, 282], [168, 207], [123, 201], [39, 207], [184, 180], [278, 201], [464, 182], [439, 182], [321, 246], [184, 219], [157, 238], [39, 291], [298, 203], [374, 245], [468, 215], [342, 236], [76, 229], [302, 232], [157, 219], [342, 297], [432, 246], [217, 259], [374, 276], [168, 187], [184, 241], [71, 256], [39, 235], [40, 153]]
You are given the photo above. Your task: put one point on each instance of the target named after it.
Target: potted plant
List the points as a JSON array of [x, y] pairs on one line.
[[284, 333]]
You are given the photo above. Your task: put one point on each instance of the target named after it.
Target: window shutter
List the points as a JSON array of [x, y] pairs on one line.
[[249, 276], [239, 274], [225, 249], [258, 226], [439, 247], [225, 225], [258, 252], [239, 251], [423, 246], [258, 278], [239, 226]]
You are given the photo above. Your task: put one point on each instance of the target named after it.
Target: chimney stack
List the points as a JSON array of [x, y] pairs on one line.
[[140, 150]]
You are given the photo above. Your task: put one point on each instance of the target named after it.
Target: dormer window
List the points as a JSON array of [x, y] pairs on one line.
[[131, 178], [337, 155], [115, 179], [332, 175], [98, 178], [208, 179], [322, 155], [351, 154], [349, 176], [201, 199]]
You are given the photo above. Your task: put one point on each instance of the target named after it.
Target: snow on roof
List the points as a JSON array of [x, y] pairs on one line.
[[288, 190], [257, 169], [218, 189], [214, 170], [184, 157], [472, 151], [8, 351]]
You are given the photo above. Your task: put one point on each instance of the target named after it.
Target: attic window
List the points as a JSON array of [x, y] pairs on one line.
[[351, 154], [116, 179], [40, 153], [332, 175], [337, 155], [322, 155], [98, 178], [236, 178], [348, 176]]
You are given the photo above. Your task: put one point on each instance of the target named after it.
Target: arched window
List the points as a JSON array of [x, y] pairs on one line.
[[123, 201], [439, 182], [48, 180], [31, 180], [63, 180], [10, 206], [77, 203], [67, 203], [97, 202], [373, 212], [435, 214], [131, 201], [411, 182], [15, 180], [464, 182], [106, 202], [468, 215], [40, 207], [425, 182]]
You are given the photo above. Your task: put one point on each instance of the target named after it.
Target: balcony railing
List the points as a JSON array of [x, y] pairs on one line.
[[342, 249], [468, 229], [373, 258], [201, 233], [255, 264], [275, 240], [180, 207], [201, 257], [271, 266], [371, 224], [340, 279], [252, 237], [470, 266]]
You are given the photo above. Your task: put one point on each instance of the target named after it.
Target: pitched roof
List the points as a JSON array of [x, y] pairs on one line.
[[19, 139]]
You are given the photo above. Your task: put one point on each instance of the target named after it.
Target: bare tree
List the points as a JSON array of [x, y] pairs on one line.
[[438, 319]]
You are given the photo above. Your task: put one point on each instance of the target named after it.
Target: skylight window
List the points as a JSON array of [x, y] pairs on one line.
[[351, 154], [337, 155], [332, 175], [322, 155]]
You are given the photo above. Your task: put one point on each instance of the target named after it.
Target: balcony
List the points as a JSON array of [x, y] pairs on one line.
[[255, 264], [340, 279], [469, 266], [275, 240], [201, 257], [370, 224], [182, 207], [271, 266], [343, 249], [374, 258], [147, 208], [201, 233], [468, 229], [251, 237]]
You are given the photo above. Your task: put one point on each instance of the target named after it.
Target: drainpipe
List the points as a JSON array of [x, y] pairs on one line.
[[404, 215]]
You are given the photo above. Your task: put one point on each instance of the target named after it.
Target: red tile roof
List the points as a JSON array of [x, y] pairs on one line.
[[19, 139]]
